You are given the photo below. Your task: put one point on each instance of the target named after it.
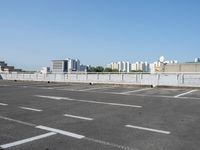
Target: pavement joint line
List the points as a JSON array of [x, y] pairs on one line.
[[52, 88], [109, 144], [20, 142], [32, 109], [77, 136], [78, 117], [148, 129], [127, 92], [185, 93], [88, 101], [74, 135], [45, 88], [90, 89], [17, 121], [3, 104], [3, 85]]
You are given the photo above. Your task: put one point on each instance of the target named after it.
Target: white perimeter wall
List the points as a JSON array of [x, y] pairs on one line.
[[165, 79]]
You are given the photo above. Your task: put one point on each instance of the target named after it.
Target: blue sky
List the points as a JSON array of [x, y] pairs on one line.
[[33, 32]]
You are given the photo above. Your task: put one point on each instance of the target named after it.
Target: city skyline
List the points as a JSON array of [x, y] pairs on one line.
[[75, 65], [32, 33], [109, 65]]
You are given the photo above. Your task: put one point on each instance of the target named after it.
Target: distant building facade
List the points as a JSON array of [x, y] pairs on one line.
[[173, 66], [197, 60], [182, 67], [45, 70], [120, 66], [68, 65], [60, 66], [140, 66], [4, 68], [158, 66], [73, 65], [125, 66], [83, 68]]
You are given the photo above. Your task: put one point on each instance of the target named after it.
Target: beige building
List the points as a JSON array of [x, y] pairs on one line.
[[114, 65], [184, 67]]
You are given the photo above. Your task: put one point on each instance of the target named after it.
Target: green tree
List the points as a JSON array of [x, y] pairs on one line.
[[115, 70], [91, 69], [99, 69], [136, 71], [96, 69], [108, 70]]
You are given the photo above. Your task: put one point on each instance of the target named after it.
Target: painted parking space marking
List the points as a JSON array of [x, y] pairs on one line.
[[54, 131], [148, 129], [32, 109], [87, 101], [74, 135], [146, 95], [134, 91], [185, 93], [4, 146], [78, 117], [3, 104]]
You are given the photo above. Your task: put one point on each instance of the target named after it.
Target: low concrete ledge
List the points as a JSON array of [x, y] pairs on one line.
[[143, 80]]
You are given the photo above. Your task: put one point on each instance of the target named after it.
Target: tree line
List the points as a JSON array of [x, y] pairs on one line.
[[102, 69]]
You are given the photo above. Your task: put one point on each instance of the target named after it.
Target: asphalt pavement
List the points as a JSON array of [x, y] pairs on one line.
[[72, 116]]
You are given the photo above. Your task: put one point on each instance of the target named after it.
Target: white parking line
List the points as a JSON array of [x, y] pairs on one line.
[[148, 129], [74, 135], [4, 146], [54, 131], [3, 104], [86, 101], [127, 92], [185, 93], [32, 109], [79, 117]]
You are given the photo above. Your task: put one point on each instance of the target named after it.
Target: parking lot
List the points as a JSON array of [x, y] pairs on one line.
[[72, 116]]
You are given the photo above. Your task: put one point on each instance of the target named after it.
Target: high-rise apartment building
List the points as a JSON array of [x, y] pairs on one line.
[[128, 67], [140, 66], [73, 65], [197, 60], [121, 66], [114, 66]]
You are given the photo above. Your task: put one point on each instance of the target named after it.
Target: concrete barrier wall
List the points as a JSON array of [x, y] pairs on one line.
[[158, 79]]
